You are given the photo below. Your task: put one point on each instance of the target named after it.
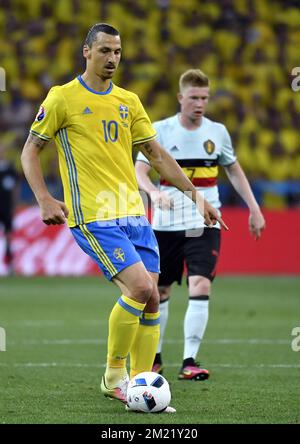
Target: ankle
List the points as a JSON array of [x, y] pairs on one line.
[[113, 375]]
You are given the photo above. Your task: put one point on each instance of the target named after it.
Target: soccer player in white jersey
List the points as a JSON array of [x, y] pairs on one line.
[[199, 145]]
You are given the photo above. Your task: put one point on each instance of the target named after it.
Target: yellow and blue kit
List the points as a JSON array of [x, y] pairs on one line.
[[94, 133]]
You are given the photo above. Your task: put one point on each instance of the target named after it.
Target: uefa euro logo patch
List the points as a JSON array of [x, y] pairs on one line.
[[41, 114]]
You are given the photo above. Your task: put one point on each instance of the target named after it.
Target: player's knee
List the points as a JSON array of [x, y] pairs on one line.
[[143, 290], [153, 303], [199, 285], [164, 293]]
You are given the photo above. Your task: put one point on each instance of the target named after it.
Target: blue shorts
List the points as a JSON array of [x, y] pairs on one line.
[[118, 243]]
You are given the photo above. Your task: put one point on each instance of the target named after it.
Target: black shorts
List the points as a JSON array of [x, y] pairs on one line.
[[199, 253]]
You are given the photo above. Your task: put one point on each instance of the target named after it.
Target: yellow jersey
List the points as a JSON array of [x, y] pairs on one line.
[[94, 133]]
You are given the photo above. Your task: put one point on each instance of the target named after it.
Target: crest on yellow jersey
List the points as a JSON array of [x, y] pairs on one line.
[[209, 146], [123, 112]]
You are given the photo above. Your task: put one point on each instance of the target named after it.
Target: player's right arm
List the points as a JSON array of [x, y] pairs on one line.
[[159, 198], [51, 116], [52, 211]]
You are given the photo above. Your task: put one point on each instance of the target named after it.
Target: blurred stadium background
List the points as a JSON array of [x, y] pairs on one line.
[[248, 48]]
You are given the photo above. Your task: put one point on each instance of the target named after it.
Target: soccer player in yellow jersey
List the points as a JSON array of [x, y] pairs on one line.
[[95, 124]]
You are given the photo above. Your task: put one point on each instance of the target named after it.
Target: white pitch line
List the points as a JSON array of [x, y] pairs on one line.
[[62, 342], [53, 323], [80, 365], [94, 341]]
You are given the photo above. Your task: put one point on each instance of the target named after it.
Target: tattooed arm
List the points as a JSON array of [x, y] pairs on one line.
[[53, 211], [167, 167]]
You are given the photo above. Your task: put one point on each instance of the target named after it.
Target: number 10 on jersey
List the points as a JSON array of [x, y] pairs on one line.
[[111, 130]]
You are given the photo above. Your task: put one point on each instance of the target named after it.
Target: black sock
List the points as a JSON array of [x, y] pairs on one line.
[[157, 359], [188, 361]]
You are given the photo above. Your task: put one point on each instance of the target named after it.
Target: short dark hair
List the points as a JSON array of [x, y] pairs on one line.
[[99, 27]]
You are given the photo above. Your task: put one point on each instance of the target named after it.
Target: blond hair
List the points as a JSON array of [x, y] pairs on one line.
[[193, 77]]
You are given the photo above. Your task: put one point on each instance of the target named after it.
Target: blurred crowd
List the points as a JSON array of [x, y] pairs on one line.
[[248, 49]]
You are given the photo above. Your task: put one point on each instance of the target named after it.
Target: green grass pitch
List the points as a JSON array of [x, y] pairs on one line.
[[56, 331]]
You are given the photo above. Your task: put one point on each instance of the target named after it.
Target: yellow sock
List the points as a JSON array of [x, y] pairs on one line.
[[113, 376], [145, 345], [123, 326]]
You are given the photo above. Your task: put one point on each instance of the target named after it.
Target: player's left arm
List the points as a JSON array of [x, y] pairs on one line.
[[240, 183], [168, 168]]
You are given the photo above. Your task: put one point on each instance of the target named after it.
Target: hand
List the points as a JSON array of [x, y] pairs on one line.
[[161, 200], [256, 223], [53, 212], [211, 216]]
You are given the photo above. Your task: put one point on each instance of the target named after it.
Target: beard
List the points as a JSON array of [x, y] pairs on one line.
[[107, 76], [106, 73]]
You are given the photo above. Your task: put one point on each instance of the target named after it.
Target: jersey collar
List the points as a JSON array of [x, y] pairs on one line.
[[103, 93]]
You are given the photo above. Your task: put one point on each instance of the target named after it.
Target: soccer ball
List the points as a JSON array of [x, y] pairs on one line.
[[148, 392]]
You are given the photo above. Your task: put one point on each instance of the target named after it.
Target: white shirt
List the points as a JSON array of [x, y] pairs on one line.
[[198, 152]]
